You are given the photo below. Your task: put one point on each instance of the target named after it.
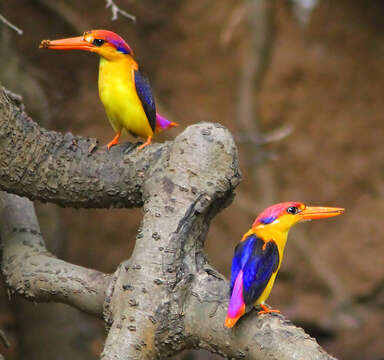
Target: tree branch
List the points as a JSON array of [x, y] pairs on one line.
[[65, 169], [182, 195], [31, 271], [254, 337]]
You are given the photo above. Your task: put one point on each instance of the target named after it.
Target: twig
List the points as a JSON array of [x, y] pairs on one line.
[[237, 16], [116, 10], [6, 22], [267, 138], [303, 10], [4, 339]]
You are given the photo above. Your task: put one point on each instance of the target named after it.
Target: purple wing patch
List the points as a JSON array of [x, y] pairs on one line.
[[144, 92]]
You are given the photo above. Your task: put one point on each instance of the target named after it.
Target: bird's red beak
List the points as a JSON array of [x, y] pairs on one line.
[[74, 43], [319, 212]]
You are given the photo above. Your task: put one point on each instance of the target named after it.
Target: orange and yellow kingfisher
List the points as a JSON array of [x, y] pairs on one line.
[[258, 256], [123, 89]]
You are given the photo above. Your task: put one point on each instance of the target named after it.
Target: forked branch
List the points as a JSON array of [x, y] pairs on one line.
[[166, 297]]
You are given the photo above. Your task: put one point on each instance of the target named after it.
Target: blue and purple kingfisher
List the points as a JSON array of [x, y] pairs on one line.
[[258, 256], [124, 90]]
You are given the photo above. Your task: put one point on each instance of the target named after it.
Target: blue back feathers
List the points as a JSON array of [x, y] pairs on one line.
[[143, 89], [258, 265]]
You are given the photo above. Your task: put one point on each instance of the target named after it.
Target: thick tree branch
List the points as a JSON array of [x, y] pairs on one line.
[[184, 192], [31, 271], [65, 169], [254, 337]]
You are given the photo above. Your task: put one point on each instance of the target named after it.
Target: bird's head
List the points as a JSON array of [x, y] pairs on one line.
[[283, 216], [102, 42]]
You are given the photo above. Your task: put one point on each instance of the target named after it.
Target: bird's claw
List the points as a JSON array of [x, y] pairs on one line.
[[149, 140], [114, 141], [267, 310]]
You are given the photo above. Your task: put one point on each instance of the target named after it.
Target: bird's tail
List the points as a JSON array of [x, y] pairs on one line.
[[163, 124], [236, 307]]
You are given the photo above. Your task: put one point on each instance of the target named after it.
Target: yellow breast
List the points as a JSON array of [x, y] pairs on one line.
[[118, 94]]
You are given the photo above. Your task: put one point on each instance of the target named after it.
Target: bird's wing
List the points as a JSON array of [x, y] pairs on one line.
[[255, 261], [259, 268], [143, 89]]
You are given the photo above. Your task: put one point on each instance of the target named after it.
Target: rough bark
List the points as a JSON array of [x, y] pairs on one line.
[[186, 189], [166, 297], [65, 169], [31, 271], [67, 331], [254, 337]]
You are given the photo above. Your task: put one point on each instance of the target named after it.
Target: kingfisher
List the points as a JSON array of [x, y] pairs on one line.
[[258, 256], [123, 89]]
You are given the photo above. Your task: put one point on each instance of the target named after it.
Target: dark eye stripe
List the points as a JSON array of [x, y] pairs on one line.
[[98, 42]]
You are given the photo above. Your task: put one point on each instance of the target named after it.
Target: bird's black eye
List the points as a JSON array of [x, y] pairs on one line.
[[98, 42], [292, 210]]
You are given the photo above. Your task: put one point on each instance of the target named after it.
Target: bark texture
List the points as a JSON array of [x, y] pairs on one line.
[[31, 271], [65, 169], [166, 297]]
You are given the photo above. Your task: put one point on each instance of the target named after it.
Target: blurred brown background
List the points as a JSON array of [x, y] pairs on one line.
[[318, 88]]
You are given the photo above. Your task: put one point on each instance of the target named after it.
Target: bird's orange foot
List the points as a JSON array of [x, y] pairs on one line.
[[267, 310], [149, 140], [114, 141]]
